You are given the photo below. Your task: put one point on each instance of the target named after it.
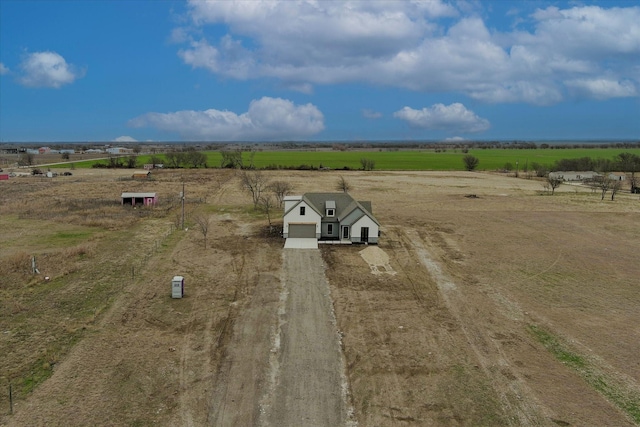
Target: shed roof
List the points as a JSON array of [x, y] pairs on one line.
[[129, 195]]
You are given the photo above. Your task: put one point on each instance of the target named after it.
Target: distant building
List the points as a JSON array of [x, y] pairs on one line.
[[119, 150], [617, 176], [574, 175]]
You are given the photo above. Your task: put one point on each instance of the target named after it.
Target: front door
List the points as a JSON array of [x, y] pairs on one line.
[[345, 232], [364, 234]]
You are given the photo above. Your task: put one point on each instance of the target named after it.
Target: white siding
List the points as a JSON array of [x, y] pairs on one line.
[[290, 201], [294, 216], [365, 221]]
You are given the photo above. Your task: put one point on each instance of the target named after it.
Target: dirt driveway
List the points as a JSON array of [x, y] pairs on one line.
[[283, 364], [308, 381]]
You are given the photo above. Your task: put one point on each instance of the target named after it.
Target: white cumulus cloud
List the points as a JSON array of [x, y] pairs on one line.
[[125, 138], [603, 88], [427, 46], [454, 117], [47, 69], [3, 69], [266, 119]]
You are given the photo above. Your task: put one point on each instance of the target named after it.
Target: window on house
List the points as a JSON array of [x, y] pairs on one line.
[[302, 209], [329, 228], [331, 212]]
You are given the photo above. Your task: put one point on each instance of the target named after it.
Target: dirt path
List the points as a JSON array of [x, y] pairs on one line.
[[309, 386], [241, 377], [513, 392]]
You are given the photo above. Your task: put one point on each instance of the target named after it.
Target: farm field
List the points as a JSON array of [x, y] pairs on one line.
[[513, 307], [490, 159]]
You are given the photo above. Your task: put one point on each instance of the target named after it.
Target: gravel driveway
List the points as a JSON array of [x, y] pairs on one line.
[[308, 382]]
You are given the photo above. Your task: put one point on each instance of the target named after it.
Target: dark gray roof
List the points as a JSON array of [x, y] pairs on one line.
[[343, 202]]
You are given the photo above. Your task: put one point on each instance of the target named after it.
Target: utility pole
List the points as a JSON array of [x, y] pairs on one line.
[[182, 195]]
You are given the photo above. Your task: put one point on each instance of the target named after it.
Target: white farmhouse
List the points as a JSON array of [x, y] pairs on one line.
[[329, 217]]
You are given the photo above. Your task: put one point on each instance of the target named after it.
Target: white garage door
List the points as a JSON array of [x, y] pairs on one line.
[[302, 231]]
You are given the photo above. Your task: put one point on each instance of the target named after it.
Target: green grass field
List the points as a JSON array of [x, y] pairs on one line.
[[490, 159]]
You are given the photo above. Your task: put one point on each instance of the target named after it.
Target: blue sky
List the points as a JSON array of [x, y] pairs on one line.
[[318, 70]]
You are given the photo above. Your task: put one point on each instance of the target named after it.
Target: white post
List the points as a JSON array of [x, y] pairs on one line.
[[182, 194]]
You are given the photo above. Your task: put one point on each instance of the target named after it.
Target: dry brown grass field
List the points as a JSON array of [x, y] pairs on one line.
[[514, 307]]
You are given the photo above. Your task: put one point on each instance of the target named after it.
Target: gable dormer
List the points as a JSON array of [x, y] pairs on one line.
[[330, 208]]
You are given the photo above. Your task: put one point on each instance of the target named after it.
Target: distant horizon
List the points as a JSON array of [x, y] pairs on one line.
[[311, 142]]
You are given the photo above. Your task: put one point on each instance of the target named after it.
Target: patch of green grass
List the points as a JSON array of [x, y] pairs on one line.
[[625, 399], [73, 235], [42, 368], [63, 238], [552, 344], [469, 398]]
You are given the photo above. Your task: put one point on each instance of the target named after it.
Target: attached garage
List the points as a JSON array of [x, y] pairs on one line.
[[303, 231]]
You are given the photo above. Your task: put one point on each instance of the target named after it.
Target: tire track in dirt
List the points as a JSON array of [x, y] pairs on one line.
[[514, 394]]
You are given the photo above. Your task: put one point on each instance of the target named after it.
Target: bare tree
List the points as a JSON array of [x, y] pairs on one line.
[[203, 222], [266, 205], [343, 185], [470, 162], [614, 187], [630, 163], [254, 183], [367, 164], [26, 159], [231, 159], [195, 158], [554, 182], [175, 159], [280, 189], [131, 161], [114, 161], [604, 184], [252, 155]]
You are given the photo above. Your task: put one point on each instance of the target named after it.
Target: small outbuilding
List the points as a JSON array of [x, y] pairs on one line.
[[573, 175], [617, 176], [141, 175], [177, 287], [139, 199]]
